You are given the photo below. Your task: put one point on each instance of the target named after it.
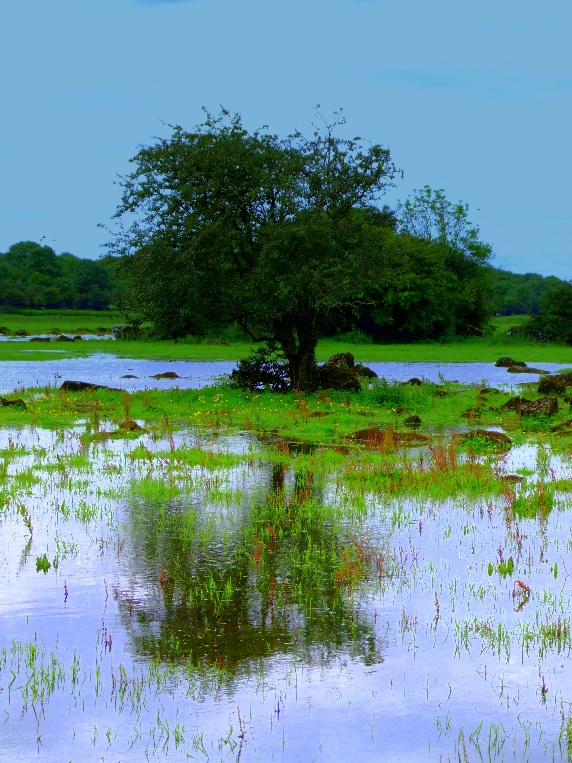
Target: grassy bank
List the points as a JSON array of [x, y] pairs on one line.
[[467, 352]]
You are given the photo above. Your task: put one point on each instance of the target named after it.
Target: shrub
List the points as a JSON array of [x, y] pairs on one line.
[[261, 370]]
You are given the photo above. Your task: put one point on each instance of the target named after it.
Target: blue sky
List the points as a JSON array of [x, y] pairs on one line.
[[474, 98]]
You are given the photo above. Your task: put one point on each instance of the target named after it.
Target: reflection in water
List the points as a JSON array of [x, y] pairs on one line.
[[284, 580]]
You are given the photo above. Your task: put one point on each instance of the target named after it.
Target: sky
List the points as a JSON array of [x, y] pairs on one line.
[[474, 98]]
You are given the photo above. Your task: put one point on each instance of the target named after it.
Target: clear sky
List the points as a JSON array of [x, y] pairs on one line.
[[474, 98]]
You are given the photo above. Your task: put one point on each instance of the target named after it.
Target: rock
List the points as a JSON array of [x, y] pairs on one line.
[[544, 406], [413, 421], [440, 392], [364, 371], [414, 381], [5, 331], [525, 370], [166, 375], [128, 425], [64, 338], [39, 339], [506, 362], [129, 376], [552, 384], [21, 332], [81, 386], [78, 339], [512, 478], [490, 435], [332, 377], [18, 402], [341, 360], [488, 390]]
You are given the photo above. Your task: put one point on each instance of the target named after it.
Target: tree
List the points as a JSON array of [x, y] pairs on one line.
[[230, 226], [554, 320], [428, 214]]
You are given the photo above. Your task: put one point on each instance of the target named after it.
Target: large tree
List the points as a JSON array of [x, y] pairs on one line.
[[429, 215], [222, 225]]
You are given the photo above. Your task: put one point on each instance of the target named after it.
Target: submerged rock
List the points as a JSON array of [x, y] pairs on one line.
[[129, 425], [166, 375], [526, 370], [376, 436], [39, 339], [64, 338], [490, 435]]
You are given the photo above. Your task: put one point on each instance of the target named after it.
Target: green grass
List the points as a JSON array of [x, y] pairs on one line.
[[44, 321]]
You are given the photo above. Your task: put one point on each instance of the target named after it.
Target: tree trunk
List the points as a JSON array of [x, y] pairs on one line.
[[298, 340]]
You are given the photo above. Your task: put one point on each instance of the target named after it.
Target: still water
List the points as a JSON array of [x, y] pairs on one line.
[[108, 369], [203, 597]]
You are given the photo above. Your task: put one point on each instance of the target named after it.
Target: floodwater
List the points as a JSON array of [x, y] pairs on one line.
[[111, 370], [160, 604]]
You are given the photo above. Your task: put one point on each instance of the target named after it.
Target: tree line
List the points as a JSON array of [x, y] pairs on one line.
[[32, 275]]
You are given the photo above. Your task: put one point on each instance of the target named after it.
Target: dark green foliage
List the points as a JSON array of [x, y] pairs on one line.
[[517, 294], [227, 226], [32, 275], [554, 320], [261, 370]]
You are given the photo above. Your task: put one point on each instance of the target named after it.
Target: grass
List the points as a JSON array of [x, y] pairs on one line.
[[486, 349]]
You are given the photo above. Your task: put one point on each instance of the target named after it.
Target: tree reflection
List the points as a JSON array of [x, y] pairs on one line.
[[286, 578]]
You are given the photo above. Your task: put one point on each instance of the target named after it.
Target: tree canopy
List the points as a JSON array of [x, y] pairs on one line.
[[223, 225], [32, 275]]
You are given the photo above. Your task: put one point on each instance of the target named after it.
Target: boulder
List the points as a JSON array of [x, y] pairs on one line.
[[39, 339], [414, 381], [506, 362], [21, 332], [129, 376], [544, 406], [565, 427], [552, 384], [341, 360], [332, 377], [413, 421], [129, 425], [64, 338], [341, 372]]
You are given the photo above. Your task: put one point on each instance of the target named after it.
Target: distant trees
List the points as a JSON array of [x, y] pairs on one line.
[[519, 294], [34, 276], [554, 320]]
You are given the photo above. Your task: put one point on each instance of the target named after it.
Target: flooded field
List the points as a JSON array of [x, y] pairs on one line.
[[202, 593]]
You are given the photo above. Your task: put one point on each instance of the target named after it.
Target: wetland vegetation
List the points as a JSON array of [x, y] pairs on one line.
[[222, 575]]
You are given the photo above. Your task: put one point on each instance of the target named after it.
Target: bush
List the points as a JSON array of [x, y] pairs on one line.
[[353, 337], [261, 370], [381, 392]]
